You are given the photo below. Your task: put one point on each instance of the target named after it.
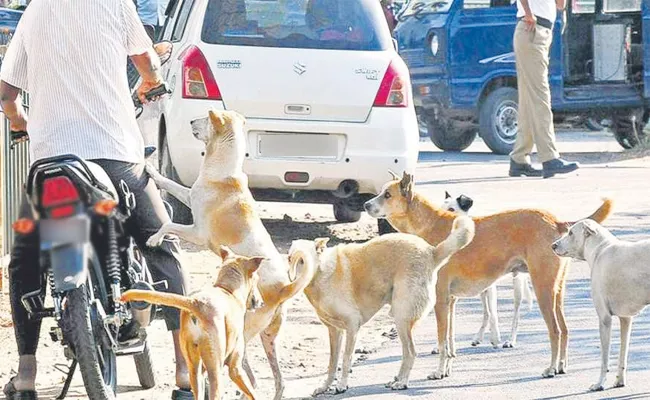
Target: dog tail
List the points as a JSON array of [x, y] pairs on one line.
[[599, 215], [462, 233], [164, 299], [302, 280]]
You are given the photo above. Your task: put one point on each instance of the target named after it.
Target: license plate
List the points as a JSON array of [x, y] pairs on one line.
[[295, 145], [55, 233]]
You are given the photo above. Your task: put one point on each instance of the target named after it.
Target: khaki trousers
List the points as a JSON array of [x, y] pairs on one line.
[[535, 115]]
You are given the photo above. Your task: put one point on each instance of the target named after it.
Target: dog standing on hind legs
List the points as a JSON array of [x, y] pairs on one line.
[[502, 242], [522, 291], [225, 213]]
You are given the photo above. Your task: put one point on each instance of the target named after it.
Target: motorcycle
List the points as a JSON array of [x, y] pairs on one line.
[[87, 260]]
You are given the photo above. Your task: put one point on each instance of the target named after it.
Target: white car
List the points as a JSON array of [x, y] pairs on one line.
[[326, 96]]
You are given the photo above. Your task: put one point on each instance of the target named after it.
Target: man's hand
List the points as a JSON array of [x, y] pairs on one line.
[[145, 87], [18, 123], [530, 20]]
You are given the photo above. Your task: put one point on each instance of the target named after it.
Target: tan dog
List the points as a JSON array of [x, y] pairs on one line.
[[225, 214], [212, 323], [503, 242], [352, 282]]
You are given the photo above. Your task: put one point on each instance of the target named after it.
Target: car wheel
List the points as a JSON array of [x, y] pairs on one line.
[[498, 120], [182, 214], [447, 138], [343, 213]]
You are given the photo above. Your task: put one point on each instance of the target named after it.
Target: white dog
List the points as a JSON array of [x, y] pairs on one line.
[[520, 281], [620, 283]]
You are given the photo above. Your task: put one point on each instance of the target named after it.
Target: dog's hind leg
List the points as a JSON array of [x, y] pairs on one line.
[[405, 332], [486, 317], [495, 334], [442, 318], [626, 329], [518, 282], [605, 328], [193, 360], [561, 320], [452, 330], [336, 336], [352, 328], [268, 337], [235, 371]]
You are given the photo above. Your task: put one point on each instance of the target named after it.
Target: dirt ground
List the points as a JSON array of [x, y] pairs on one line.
[[303, 345]]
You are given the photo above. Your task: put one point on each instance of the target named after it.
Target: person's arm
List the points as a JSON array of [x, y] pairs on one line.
[[13, 78], [529, 17], [560, 4], [140, 49]]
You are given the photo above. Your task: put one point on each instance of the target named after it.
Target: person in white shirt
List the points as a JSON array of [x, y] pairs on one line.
[[532, 44], [71, 58]]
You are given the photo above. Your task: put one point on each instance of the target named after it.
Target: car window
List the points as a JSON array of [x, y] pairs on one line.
[[168, 28], [181, 20], [314, 24], [471, 4]]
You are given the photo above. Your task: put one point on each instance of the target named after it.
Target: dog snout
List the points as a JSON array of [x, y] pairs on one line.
[[554, 246], [367, 206]]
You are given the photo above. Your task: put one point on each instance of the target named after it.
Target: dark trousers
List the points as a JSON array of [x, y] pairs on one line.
[[147, 218]]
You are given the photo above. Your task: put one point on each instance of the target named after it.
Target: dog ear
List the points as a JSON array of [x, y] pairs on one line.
[[225, 252], [465, 202], [406, 186], [321, 244], [393, 175], [588, 229], [217, 119], [447, 195], [253, 263]]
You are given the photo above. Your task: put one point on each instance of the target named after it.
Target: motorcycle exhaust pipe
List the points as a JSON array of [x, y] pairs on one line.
[[141, 310]]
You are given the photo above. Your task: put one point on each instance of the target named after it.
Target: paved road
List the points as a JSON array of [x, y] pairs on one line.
[[487, 373]]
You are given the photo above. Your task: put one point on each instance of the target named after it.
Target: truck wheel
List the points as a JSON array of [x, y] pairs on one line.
[[182, 214], [628, 127], [343, 213], [446, 138], [498, 120]]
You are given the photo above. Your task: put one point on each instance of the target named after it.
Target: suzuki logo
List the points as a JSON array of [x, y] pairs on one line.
[[299, 68]]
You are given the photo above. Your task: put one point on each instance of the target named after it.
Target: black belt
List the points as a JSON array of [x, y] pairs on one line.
[[543, 22]]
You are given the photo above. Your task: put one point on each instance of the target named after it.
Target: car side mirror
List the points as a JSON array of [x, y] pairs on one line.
[[164, 51]]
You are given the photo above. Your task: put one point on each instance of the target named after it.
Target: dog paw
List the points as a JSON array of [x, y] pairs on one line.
[[598, 387], [436, 376], [389, 384], [320, 390], [619, 382], [475, 342], [340, 388], [399, 385], [496, 345], [562, 368], [549, 373], [508, 344], [435, 351]]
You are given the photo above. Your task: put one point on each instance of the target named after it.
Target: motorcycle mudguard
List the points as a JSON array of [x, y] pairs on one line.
[[69, 266]]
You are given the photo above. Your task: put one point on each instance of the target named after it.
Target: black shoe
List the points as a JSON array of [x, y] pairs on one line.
[[558, 166], [517, 169]]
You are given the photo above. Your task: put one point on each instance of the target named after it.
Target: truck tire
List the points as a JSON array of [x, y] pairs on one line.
[[144, 368], [498, 116], [627, 127], [343, 213], [182, 214], [446, 138]]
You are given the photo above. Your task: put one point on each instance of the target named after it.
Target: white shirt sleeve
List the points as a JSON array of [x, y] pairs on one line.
[[137, 40], [14, 64]]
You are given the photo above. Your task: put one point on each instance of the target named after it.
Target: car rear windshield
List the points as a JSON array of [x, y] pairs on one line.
[[312, 24]]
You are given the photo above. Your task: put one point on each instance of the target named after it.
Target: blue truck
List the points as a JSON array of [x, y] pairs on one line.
[[462, 65]]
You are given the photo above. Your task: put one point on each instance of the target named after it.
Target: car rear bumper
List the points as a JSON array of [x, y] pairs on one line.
[[366, 151]]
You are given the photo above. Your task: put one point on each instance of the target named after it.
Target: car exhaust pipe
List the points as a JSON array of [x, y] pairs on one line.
[[346, 189], [141, 310]]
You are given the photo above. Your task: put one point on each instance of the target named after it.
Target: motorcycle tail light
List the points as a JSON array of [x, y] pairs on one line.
[[58, 191]]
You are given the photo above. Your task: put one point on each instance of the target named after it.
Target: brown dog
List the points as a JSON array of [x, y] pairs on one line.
[[503, 242], [212, 322]]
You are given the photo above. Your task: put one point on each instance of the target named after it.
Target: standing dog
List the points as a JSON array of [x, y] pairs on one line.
[[620, 284], [461, 205], [352, 282], [212, 322], [503, 243], [225, 214]]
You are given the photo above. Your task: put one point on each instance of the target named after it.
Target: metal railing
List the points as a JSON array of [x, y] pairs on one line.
[[14, 166]]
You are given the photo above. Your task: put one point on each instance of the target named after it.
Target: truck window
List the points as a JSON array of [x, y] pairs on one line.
[[472, 4], [621, 5], [583, 6]]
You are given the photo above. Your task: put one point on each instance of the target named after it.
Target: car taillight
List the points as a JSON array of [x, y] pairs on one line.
[[394, 89], [198, 81], [58, 195]]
